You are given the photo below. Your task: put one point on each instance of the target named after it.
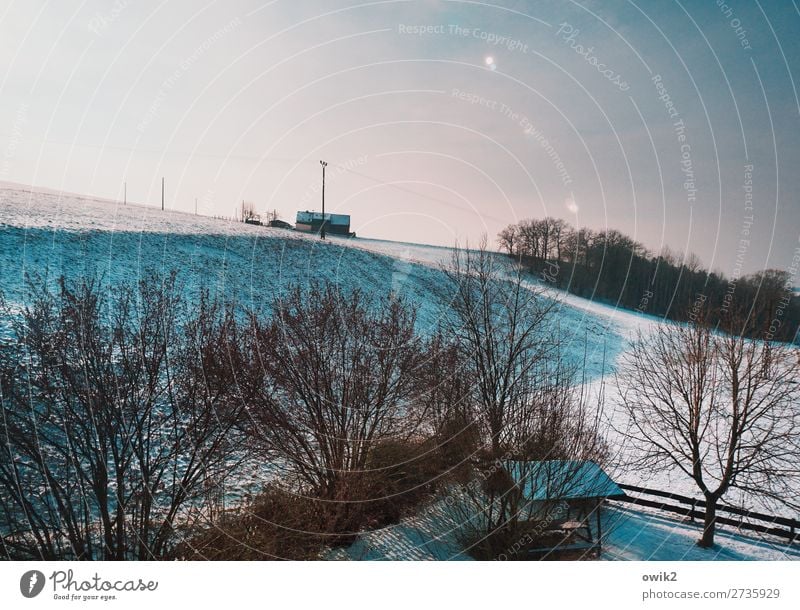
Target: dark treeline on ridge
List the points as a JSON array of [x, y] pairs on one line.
[[612, 267]]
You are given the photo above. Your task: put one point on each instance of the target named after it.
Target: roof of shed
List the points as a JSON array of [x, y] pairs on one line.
[[562, 480]]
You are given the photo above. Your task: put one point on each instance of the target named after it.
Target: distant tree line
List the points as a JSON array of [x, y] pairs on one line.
[[610, 266]]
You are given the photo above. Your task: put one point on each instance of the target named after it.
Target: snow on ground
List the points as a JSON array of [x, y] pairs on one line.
[[629, 535], [642, 535], [603, 328], [32, 213], [436, 256], [46, 234]]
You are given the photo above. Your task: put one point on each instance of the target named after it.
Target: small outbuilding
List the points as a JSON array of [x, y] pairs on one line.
[[276, 223], [335, 224], [565, 500]]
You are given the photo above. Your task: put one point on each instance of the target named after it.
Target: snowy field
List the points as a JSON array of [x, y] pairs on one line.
[[630, 535], [44, 235]]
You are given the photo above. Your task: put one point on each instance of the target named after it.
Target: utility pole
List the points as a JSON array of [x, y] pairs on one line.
[[162, 194], [324, 164], [195, 206], [125, 193]]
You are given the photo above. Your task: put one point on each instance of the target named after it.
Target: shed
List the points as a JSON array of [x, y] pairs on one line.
[[280, 224], [578, 488], [335, 224]]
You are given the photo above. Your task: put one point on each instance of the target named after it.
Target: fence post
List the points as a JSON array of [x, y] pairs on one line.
[[691, 514]]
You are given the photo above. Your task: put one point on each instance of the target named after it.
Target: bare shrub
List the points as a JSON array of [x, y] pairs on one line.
[[282, 524], [116, 413], [446, 407], [529, 402], [330, 377], [276, 524]]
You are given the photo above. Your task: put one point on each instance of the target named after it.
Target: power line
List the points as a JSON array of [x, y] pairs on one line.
[[282, 160], [417, 194]]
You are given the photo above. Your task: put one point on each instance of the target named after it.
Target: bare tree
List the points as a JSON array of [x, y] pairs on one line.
[[248, 211], [560, 230], [331, 378], [553, 432], [529, 407], [529, 238], [509, 239], [114, 417], [719, 407], [501, 325]]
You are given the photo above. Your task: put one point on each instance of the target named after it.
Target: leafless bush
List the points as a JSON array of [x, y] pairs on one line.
[[117, 410], [280, 523], [330, 377], [445, 407], [528, 401], [276, 524], [501, 326]]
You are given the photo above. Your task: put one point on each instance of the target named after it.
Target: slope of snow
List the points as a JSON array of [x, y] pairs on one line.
[[641, 535], [628, 536], [45, 235], [437, 256]]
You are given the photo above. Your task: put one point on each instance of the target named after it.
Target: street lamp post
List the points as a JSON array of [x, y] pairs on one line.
[[324, 164]]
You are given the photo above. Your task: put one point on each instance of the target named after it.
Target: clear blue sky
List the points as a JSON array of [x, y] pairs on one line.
[[440, 120]]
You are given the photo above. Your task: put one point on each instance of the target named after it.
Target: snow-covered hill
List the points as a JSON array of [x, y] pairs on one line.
[[44, 235]]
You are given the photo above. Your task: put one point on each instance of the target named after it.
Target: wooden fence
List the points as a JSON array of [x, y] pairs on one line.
[[692, 508]]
